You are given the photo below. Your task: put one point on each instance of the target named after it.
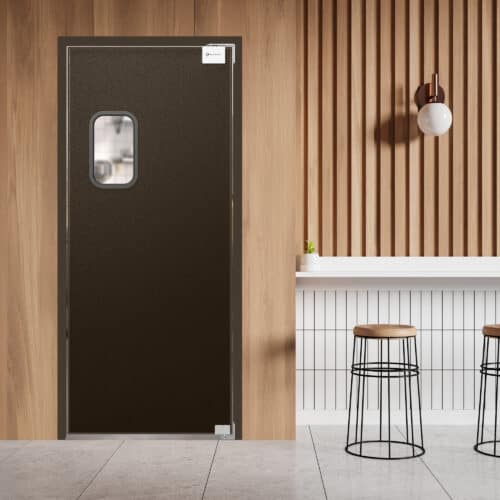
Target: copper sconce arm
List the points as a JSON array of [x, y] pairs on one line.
[[429, 92]]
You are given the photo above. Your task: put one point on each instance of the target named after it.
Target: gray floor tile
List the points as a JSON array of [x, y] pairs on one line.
[[464, 473], [348, 477], [154, 470], [8, 448], [52, 469], [266, 470]]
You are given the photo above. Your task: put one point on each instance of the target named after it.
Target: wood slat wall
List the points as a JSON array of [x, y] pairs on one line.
[[28, 196], [373, 185]]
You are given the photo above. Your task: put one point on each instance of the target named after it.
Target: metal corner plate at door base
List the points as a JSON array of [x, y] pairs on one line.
[[223, 431]]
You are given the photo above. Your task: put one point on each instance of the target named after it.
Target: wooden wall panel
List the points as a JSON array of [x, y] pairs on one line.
[[143, 17], [4, 224], [396, 191], [270, 135], [29, 388]]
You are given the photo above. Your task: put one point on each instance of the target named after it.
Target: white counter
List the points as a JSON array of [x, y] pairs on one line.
[[406, 267]]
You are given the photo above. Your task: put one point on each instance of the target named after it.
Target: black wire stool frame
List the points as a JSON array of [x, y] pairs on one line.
[[488, 369], [385, 371]]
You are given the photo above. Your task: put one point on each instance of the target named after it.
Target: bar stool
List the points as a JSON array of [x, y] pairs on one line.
[[489, 369], [384, 370]]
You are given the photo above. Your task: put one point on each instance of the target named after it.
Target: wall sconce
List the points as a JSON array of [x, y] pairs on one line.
[[434, 117]]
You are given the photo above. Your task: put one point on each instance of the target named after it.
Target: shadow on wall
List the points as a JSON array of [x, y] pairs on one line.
[[279, 347], [402, 132], [403, 128]]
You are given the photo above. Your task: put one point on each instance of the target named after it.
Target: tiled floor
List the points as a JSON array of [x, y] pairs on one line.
[[313, 467]]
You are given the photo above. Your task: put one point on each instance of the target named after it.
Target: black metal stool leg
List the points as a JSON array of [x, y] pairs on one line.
[[363, 399], [481, 397], [389, 399], [350, 391], [418, 392], [497, 364], [410, 396], [380, 359], [359, 387], [485, 384]]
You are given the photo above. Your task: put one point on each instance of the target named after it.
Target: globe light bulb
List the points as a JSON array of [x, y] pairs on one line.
[[434, 118]]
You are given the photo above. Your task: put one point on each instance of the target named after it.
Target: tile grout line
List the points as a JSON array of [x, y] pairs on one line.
[[10, 455], [210, 469], [429, 469], [317, 462], [100, 469]]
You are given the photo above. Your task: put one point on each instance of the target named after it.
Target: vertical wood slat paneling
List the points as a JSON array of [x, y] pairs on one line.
[[301, 150], [342, 194], [429, 22], [371, 233], [472, 122], [415, 139], [487, 138], [443, 144], [356, 137], [496, 136], [313, 120], [386, 127], [401, 96], [328, 111], [397, 192], [458, 130]]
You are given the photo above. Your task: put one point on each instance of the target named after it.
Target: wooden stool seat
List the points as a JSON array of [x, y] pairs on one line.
[[385, 331], [491, 330]]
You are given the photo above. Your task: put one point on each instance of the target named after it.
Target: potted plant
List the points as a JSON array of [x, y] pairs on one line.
[[310, 259]]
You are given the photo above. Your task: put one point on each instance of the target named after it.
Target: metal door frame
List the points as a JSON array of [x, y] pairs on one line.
[[65, 44]]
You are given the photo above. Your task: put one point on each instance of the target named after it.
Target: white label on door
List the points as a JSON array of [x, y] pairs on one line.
[[212, 54]]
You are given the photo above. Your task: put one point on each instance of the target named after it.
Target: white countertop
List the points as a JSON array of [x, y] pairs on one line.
[[405, 267]]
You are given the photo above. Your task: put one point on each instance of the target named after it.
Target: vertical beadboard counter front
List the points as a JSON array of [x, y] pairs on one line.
[[448, 300]]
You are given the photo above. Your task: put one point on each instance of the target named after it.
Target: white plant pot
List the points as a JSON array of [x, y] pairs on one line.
[[310, 262]]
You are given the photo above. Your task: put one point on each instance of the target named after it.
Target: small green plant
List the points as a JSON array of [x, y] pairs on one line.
[[310, 248]]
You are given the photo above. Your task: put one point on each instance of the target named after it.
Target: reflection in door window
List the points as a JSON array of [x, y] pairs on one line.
[[114, 138]]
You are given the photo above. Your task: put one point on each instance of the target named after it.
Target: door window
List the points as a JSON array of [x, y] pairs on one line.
[[114, 149]]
